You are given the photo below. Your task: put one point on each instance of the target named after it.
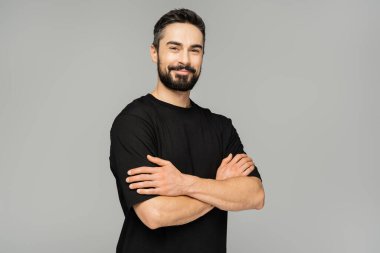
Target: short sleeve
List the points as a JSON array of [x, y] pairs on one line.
[[234, 146], [132, 139]]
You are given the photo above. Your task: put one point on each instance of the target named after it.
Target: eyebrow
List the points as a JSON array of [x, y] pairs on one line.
[[180, 44]]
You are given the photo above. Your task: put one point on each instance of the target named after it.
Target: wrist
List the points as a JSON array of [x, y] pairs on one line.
[[188, 183]]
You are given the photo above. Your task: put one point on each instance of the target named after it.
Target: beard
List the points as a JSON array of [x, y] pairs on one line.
[[179, 82]]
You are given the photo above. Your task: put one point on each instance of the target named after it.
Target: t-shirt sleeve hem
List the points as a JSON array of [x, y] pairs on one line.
[[138, 200]]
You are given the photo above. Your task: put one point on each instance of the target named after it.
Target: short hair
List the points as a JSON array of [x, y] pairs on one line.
[[177, 16]]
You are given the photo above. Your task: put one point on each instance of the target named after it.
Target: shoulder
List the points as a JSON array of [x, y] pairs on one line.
[[140, 107], [137, 113], [220, 121], [215, 116]]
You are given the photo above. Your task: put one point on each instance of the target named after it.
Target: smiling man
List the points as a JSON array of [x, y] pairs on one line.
[[179, 167]]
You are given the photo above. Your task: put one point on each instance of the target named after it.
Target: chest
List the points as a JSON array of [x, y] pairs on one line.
[[193, 146]]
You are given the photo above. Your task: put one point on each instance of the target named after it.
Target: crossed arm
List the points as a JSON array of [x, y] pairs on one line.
[[184, 198]]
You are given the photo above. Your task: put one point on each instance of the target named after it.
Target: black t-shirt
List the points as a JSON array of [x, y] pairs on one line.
[[195, 140]]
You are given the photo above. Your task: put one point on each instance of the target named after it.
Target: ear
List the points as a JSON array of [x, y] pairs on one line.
[[153, 53]]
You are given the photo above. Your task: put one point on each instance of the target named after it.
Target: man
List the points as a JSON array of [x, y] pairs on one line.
[[179, 167]]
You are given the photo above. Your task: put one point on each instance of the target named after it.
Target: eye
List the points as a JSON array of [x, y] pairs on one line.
[[196, 50], [173, 48]]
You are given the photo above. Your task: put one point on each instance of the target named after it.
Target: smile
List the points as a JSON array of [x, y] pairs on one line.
[[183, 72]]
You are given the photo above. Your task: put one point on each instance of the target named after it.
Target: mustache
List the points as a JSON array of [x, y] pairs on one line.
[[181, 67]]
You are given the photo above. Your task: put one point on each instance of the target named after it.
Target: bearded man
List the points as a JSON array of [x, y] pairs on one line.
[[179, 167]]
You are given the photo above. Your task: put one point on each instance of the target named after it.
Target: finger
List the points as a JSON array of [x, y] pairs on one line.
[[144, 184], [226, 159], [246, 166], [141, 170], [140, 177], [237, 158], [147, 191], [244, 160], [157, 160], [248, 171]]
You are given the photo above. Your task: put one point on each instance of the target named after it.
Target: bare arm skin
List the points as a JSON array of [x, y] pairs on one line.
[[178, 209], [233, 194], [163, 211], [231, 191]]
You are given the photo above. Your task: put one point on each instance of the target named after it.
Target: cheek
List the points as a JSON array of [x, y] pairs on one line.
[[166, 57], [197, 63], [169, 61], [170, 57], [163, 65], [197, 59]]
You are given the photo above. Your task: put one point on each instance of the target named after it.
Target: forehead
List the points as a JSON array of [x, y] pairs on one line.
[[184, 33]]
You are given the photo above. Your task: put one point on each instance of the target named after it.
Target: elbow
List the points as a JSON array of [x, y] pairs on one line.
[[152, 220], [260, 200], [150, 217], [152, 226]]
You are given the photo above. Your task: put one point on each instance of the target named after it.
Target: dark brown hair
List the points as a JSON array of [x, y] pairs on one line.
[[177, 16]]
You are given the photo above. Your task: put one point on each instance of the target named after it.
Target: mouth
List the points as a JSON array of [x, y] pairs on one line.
[[183, 72]]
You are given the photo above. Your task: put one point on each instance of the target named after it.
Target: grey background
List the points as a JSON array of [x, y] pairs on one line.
[[300, 80]]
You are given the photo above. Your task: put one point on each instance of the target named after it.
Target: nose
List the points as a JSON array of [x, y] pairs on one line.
[[184, 58]]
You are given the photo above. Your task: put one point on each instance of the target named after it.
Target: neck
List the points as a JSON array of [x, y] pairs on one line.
[[178, 98]]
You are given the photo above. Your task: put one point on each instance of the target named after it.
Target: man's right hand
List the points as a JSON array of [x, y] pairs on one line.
[[240, 165]]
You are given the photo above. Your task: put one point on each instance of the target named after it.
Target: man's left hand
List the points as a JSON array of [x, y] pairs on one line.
[[164, 180]]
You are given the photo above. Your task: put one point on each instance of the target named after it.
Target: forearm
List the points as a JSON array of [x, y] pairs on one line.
[[233, 194], [180, 210]]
